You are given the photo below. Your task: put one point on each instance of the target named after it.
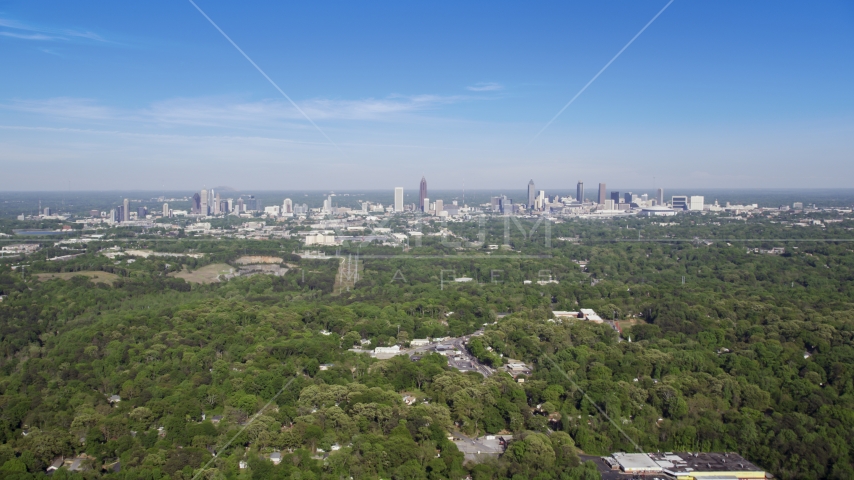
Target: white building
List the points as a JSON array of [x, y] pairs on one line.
[[398, 199], [657, 211], [24, 248], [288, 208], [440, 206], [166, 210], [695, 203], [320, 239], [272, 211], [419, 342]]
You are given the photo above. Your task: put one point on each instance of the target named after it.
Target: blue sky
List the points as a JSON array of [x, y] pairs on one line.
[[148, 95]]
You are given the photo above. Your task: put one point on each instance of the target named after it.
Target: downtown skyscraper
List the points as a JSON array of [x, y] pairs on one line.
[[532, 193], [423, 195], [398, 198]]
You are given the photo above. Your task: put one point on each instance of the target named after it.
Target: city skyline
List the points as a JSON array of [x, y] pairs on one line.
[[687, 103]]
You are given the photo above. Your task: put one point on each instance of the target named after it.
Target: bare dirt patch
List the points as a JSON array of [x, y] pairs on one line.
[[207, 274], [249, 259]]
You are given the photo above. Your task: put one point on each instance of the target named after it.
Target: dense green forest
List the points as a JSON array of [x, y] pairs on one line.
[[724, 347]]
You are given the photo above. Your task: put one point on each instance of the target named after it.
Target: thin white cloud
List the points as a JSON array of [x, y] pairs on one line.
[[485, 87], [44, 33], [64, 107], [27, 36], [229, 113]]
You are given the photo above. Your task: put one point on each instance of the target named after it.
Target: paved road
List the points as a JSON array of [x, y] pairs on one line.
[[465, 362]]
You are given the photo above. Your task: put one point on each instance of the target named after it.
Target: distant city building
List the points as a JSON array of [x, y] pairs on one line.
[[695, 203], [94, 213], [240, 206], [398, 196], [798, 206], [506, 205], [251, 204], [628, 197], [579, 192], [541, 200], [287, 207], [659, 197], [47, 212], [422, 195], [166, 210], [120, 214], [440, 206], [601, 193], [426, 204], [197, 204], [141, 213], [615, 197], [679, 202], [531, 194], [495, 203], [126, 211], [203, 210]]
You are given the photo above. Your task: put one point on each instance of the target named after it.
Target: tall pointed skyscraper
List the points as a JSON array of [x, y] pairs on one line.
[[423, 195], [532, 193]]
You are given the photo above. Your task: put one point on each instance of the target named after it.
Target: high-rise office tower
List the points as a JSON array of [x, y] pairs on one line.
[[398, 196], [197, 203], [251, 204], [141, 213], [532, 194], [629, 197], [440, 205], [601, 194], [230, 203], [126, 205], [203, 208], [240, 207], [659, 197], [423, 195], [679, 202], [540, 200], [120, 214], [217, 209], [579, 192], [288, 206], [166, 210], [615, 196]]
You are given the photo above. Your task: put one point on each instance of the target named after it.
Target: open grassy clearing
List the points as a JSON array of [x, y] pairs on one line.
[[94, 276]]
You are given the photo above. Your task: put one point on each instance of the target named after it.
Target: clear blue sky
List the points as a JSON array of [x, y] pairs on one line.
[[147, 95]]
